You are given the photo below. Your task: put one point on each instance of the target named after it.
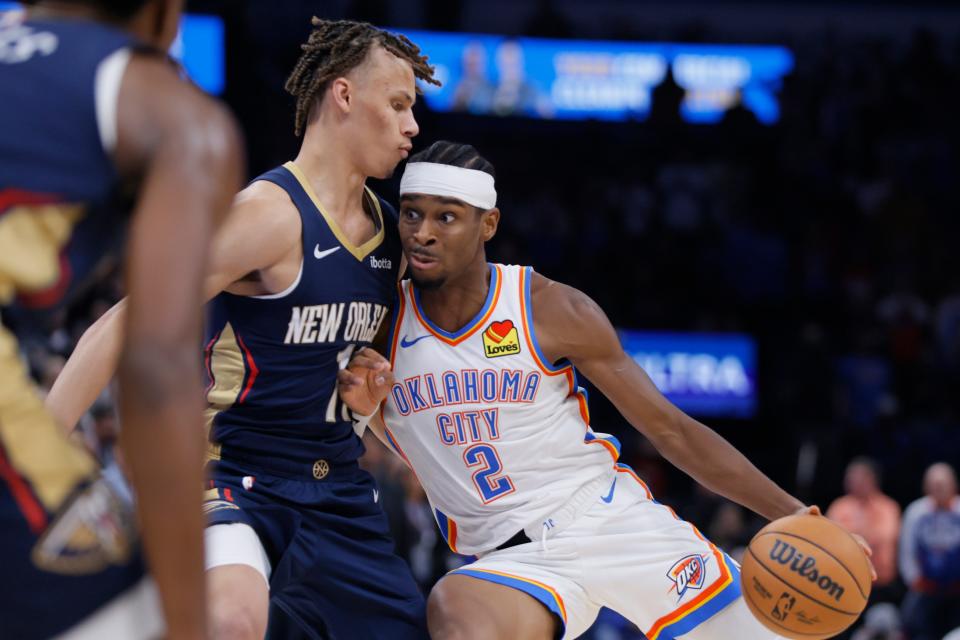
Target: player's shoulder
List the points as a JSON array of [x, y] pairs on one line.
[[156, 107], [552, 297], [267, 207], [152, 78], [568, 323], [262, 194], [563, 316]]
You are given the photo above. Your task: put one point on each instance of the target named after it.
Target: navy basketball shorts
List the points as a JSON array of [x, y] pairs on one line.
[[331, 562]]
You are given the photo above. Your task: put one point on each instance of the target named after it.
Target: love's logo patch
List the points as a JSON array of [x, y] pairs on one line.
[[501, 339]]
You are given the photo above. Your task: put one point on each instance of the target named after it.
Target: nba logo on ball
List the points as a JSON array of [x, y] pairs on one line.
[[689, 573], [501, 339]]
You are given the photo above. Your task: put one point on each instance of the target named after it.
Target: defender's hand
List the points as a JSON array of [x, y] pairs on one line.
[[814, 510], [366, 381]]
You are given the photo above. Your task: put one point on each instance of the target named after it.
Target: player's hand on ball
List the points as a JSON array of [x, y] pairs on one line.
[[365, 382], [814, 510]]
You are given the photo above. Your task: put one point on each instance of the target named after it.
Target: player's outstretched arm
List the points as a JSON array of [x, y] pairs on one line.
[[186, 151], [89, 368], [570, 325]]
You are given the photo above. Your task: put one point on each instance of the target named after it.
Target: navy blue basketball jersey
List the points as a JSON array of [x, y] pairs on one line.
[[272, 361], [60, 195]]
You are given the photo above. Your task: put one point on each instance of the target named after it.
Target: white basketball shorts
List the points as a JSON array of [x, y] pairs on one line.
[[633, 555]]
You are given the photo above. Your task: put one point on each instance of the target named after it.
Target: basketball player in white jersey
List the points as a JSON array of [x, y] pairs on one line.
[[483, 404]]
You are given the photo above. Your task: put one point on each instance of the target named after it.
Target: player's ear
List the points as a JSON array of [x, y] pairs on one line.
[[341, 91], [489, 221]]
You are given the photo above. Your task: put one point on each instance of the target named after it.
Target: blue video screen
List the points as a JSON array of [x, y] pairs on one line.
[[603, 80], [199, 47], [705, 374]]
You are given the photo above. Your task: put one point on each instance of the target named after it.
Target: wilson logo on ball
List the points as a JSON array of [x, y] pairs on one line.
[[805, 567], [689, 572]]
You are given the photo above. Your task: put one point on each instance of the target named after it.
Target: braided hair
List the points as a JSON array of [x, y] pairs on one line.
[[454, 154], [337, 46]]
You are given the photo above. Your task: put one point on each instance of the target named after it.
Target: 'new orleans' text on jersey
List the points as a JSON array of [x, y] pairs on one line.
[[322, 322]]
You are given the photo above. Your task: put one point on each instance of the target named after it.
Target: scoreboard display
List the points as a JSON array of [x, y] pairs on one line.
[[602, 80]]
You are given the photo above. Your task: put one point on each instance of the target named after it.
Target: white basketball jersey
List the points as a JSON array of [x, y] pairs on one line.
[[498, 437]]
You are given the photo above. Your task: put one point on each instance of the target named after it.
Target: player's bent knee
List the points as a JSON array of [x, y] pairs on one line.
[[453, 614], [236, 624], [239, 602], [237, 621]]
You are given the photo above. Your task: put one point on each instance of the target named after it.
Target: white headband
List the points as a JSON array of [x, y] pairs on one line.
[[432, 179]]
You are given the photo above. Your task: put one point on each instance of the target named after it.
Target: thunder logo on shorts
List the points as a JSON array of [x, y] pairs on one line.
[[689, 572]]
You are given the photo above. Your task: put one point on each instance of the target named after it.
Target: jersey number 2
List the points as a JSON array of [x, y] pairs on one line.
[[490, 483]]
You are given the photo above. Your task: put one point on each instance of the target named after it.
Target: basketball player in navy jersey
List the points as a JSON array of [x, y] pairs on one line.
[[301, 275], [487, 412], [99, 132]]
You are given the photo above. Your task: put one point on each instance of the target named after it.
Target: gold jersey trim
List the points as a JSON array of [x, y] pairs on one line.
[[358, 252], [228, 370]]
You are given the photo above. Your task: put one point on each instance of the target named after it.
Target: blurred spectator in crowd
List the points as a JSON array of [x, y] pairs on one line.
[[904, 314], [738, 117], [866, 511], [418, 540], [700, 507], [50, 369], [948, 327], [103, 430], [474, 92], [728, 529], [930, 557], [880, 622], [515, 94], [665, 102]]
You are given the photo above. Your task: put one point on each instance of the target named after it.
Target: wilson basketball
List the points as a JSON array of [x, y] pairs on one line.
[[803, 576]]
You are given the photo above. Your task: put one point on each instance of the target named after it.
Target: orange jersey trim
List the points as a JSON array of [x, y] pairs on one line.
[[725, 579], [607, 445], [548, 589], [462, 334]]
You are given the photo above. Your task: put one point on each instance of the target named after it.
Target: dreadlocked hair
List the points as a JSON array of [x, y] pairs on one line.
[[337, 46], [454, 154]]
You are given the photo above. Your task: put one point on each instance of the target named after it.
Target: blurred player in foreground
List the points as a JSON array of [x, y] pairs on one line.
[[486, 410], [301, 275], [99, 130]]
